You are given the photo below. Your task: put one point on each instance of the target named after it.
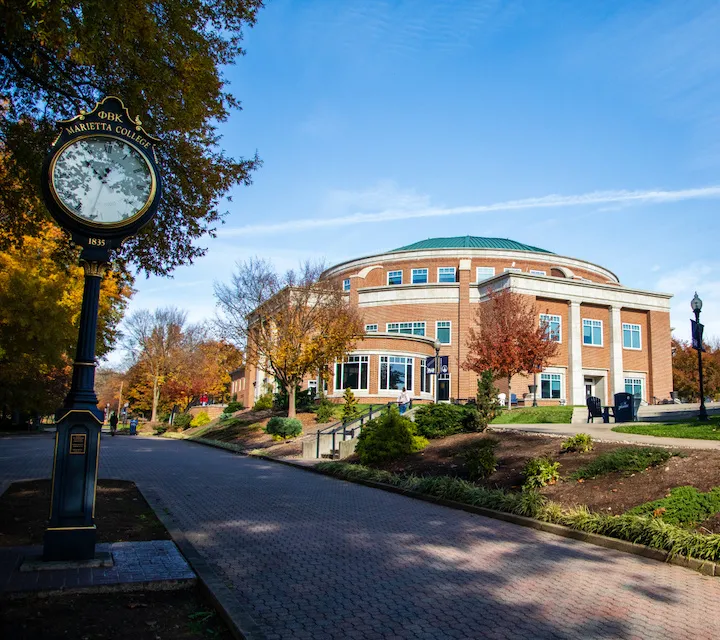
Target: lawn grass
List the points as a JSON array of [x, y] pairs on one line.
[[535, 415], [626, 459], [692, 429]]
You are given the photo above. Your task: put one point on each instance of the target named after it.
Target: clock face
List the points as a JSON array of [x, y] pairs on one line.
[[102, 180]]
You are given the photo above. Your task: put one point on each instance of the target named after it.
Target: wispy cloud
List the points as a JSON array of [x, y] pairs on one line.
[[408, 210]]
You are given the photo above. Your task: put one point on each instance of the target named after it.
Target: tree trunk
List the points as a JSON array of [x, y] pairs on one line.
[[509, 398], [155, 399], [291, 399]]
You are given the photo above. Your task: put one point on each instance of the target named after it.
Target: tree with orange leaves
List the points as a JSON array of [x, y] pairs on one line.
[[508, 338]]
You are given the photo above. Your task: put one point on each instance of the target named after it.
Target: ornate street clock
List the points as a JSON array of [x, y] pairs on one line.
[[101, 180], [101, 183]]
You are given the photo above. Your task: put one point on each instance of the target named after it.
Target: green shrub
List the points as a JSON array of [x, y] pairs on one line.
[[472, 420], [480, 460], [284, 427], [233, 406], [581, 443], [439, 420], [350, 408], [264, 402], [160, 429], [387, 438], [325, 411], [685, 506], [200, 420], [539, 472], [486, 400], [626, 459], [182, 421]]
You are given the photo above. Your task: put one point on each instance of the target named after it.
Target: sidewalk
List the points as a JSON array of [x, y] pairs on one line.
[[603, 432]]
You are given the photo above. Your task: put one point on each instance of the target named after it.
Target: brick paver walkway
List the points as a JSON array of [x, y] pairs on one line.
[[313, 557]]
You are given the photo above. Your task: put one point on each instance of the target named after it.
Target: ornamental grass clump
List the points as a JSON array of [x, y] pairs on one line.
[[625, 459]]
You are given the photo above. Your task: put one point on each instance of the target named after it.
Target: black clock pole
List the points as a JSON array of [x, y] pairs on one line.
[[71, 531], [91, 146]]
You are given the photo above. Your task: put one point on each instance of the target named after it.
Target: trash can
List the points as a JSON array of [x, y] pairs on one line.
[[133, 427]]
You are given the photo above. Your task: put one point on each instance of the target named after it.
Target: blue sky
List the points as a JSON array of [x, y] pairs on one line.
[[382, 123]]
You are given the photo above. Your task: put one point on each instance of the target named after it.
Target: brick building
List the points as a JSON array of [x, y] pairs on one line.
[[611, 338]]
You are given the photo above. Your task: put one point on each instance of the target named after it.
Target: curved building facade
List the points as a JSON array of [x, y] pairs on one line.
[[611, 338]]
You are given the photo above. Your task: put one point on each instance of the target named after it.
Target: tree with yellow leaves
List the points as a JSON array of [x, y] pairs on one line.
[[288, 325], [41, 289]]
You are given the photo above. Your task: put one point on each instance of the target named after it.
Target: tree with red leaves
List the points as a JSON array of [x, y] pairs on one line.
[[508, 338]]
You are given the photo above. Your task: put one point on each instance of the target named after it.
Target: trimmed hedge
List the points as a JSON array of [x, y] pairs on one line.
[[441, 420], [649, 531], [284, 427]]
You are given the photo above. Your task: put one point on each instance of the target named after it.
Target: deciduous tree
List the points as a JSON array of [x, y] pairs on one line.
[[685, 370], [164, 59], [507, 338], [41, 287], [288, 325], [158, 343]]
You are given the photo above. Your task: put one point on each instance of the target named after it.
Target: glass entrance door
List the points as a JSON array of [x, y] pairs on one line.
[[444, 389]]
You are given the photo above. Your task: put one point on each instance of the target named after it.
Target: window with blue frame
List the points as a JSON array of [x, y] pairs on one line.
[[442, 331], [446, 274], [552, 326], [592, 332], [346, 284], [412, 328], [551, 386], [631, 336], [394, 277], [419, 276]]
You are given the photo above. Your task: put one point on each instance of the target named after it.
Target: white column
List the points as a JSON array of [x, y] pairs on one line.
[[616, 351], [576, 381]]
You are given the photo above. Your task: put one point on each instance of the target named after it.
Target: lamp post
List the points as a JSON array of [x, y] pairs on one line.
[[696, 305], [437, 346], [534, 390]]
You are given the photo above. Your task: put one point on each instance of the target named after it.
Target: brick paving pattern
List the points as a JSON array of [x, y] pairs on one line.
[[135, 563], [312, 557]]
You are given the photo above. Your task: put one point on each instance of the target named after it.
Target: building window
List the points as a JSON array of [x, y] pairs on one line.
[[631, 336], [395, 373], [394, 277], [371, 328], [483, 273], [552, 326], [550, 386], [419, 276], [425, 378], [512, 270], [346, 285], [446, 274], [634, 386], [537, 272], [352, 373], [412, 328], [442, 331], [592, 332]]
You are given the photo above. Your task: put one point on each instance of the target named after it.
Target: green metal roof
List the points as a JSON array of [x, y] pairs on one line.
[[470, 242]]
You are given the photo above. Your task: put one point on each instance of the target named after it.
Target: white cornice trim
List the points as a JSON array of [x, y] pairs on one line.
[[456, 254]]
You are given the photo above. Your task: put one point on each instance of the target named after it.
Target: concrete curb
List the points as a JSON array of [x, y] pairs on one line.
[[237, 617]]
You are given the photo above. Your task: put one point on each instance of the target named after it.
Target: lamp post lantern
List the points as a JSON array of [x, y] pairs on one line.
[[101, 183], [696, 305], [437, 346]]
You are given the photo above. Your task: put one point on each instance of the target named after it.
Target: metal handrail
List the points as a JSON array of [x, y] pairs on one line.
[[343, 426]]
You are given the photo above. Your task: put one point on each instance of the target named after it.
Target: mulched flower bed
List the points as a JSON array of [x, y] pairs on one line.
[[122, 515], [611, 493]]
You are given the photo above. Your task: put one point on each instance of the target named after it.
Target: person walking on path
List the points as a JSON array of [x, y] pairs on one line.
[[403, 400], [113, 423]]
